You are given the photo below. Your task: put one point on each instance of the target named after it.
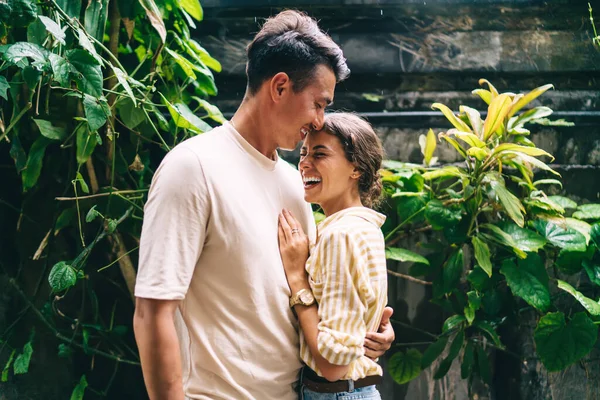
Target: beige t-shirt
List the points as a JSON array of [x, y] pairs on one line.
[[210, 238]]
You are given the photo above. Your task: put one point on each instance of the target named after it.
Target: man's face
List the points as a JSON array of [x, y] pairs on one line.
[[303, 111]]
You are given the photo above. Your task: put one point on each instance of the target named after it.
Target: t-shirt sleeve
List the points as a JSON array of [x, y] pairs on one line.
[[342, 327], [174, 228]]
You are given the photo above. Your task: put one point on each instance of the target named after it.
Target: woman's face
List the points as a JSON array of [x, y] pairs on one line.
[[330, 180]]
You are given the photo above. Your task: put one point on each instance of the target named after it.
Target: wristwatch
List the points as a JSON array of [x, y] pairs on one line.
[[303, 297]]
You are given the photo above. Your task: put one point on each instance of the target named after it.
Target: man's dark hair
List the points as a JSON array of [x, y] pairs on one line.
[[292, 42]]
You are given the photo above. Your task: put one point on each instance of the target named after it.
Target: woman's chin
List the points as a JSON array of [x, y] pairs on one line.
[[309, 198]]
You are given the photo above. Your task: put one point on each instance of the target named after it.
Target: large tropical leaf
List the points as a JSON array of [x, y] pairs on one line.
[[528, 281], [562, 237], [497, 111], [528, 98], [592, 306], [482, 254], [155, 17], [560, 344], [454, 120], [403, 255], [405, 367], [511, 203]]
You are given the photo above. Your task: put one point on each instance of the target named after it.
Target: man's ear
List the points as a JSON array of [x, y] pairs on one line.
[[280, 84]]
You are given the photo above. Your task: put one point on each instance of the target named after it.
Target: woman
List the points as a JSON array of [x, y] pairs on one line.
[[346, 270]]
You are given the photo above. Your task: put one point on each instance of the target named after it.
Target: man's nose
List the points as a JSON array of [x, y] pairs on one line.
[[318, 122]]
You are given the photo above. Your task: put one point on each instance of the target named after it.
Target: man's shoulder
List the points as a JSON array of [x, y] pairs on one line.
[[206, 142]]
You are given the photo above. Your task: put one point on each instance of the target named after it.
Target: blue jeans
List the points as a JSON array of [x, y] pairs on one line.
[[364, 393]]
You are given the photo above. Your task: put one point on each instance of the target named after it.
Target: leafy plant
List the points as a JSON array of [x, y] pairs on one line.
[[499, 245], [92, 96]]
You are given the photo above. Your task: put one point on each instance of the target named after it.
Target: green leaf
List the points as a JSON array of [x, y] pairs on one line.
[[155, 17], [455, 144], [33, 167], [529, 115], [86, 143], [595, 234], [23, 12], [62, 276], [548, 182], [467, 364], [452, 271], [82, 183], [564, 202], [580, 226], [433, 351], [529, 281], [96, 14], [204, 56], [428, 144], [526, 239], [454, 120], [469, 314], [485, 95], [72, 8], [489, 330], [592, 306], [444, 172], [509, 201], [92, 214], [404, 367], [7, 366], [50, 131], [478, 278], [122, 78], [564, 238], [528, 98], [64, 351], [474, 119], [497, 111], [484, 365], [186, 65], [403, 255], [593, 272], [453, 352], [79, 390], [193, 8], [131, 115], [560, 344], [4, 85], [19, 52], [570, 262], [185, 118], [527, 159], [482, 254], [441, 216], [587, 211], [54, 29], [453, 322], [513, 147], [469, 138], [85, 42], [97, 112], [499, 236], [212, 111], [21, 365], [85, 71], [111, 225], [493, 90]]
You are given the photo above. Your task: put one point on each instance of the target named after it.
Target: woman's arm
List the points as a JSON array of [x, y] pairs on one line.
[[293, 245]]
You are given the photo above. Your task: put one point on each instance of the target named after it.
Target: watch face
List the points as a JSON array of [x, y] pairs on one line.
[[306, 297]]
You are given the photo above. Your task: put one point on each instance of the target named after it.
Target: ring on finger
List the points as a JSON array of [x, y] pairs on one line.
[[295, 230]]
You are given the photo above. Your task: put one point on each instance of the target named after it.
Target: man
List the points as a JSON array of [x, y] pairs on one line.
[[209, 240]]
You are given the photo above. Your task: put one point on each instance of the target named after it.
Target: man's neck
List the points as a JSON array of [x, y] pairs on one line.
[[251, 123]]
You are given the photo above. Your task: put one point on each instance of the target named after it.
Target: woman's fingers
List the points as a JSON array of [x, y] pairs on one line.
[[285, 226], [293, 222]]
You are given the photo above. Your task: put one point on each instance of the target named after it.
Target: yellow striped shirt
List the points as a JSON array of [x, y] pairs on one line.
[[348, 277]]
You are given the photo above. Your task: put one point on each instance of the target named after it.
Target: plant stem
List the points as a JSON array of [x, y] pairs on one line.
[[16, 119], [119, 192], [402, 224], [408, 278]]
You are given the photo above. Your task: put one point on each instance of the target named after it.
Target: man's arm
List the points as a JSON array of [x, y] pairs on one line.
[[154, 328]]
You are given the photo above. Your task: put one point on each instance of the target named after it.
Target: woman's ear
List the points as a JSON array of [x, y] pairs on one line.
[[355, 174]]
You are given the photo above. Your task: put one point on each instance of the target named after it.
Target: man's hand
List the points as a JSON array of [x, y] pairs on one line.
[[377, 343]]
